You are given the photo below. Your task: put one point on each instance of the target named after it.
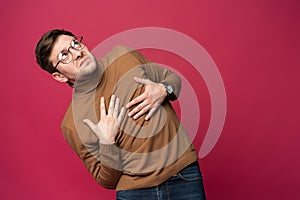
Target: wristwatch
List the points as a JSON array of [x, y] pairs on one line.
[[168, 87]]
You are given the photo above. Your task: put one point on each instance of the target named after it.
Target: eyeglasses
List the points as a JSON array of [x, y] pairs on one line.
[[65, 56]]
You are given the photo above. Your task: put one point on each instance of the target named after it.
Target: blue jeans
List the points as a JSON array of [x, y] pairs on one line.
[[187, 184]]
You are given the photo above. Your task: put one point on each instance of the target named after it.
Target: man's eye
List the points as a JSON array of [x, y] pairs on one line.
[[63, 55], [76, 44]]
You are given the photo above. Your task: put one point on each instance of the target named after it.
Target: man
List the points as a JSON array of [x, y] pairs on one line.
[[141, 151]]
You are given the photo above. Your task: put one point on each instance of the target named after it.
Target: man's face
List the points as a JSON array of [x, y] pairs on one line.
[[82, 64]]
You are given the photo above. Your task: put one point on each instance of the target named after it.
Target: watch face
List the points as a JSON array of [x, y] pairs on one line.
[[169, 89]]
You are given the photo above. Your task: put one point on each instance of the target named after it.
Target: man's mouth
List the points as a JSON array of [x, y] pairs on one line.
[[83, 61]]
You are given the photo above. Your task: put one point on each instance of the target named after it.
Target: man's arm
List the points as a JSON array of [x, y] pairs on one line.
[[101, 157], [155, 92], [91, 156], [158, 74]]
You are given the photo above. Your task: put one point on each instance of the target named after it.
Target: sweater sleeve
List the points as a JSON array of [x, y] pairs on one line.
[[103, 162], [158, 74]]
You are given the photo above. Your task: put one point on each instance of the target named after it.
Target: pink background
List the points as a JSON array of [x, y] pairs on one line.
[[255, 45]]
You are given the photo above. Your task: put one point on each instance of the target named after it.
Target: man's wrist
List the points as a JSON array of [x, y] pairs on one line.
[[169, 90]]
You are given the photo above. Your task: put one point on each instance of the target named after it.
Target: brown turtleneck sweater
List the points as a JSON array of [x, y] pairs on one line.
[[146, 153]]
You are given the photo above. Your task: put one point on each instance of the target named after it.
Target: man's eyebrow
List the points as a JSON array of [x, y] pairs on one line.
[[74, 38]]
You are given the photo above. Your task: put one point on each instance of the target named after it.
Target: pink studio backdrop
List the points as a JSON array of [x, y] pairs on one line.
[[255, 45]]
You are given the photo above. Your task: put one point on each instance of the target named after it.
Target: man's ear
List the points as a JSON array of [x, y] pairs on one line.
[[59, 77]]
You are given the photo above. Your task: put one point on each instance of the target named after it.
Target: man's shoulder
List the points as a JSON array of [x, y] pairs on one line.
[[120, 50], [120, 53], [116, 53]]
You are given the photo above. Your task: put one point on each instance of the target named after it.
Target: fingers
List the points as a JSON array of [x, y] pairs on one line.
[[102, 108], [116, 108], [111, 106], [151, 112], [138, 108], [90, 124], [121, 115], [141, 97], [142, 111], [136, 100], [142, 80]]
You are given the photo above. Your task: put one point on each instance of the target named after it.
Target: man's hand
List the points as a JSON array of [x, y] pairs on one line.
[[150, 100], [108, 126]]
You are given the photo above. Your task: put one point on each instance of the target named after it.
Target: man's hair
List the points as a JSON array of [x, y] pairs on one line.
[[44, 47]]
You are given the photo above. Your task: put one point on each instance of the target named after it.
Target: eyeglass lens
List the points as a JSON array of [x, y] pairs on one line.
[[65, 56]]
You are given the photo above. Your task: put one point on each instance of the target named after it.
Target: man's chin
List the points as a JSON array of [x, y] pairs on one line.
[[86, 71]]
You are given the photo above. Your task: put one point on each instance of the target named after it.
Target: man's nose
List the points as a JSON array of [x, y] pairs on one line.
[[76, 53]]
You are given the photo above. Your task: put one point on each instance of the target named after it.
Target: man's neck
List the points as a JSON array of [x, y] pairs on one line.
[[87, 85]]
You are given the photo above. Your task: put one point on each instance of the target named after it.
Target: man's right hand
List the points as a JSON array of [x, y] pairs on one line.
[[108, 126]]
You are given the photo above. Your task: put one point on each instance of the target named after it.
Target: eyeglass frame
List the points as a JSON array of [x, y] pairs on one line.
[[74, 38]]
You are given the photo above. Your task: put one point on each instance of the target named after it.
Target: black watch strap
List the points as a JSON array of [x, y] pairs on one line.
[[169, 90]]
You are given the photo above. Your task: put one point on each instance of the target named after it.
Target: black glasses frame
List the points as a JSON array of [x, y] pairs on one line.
[[79, 39]]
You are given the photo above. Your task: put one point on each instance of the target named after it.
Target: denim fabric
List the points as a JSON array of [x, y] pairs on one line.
[[187, 184]]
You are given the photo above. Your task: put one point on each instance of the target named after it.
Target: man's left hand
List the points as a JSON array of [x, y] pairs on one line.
[[150, 100]]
